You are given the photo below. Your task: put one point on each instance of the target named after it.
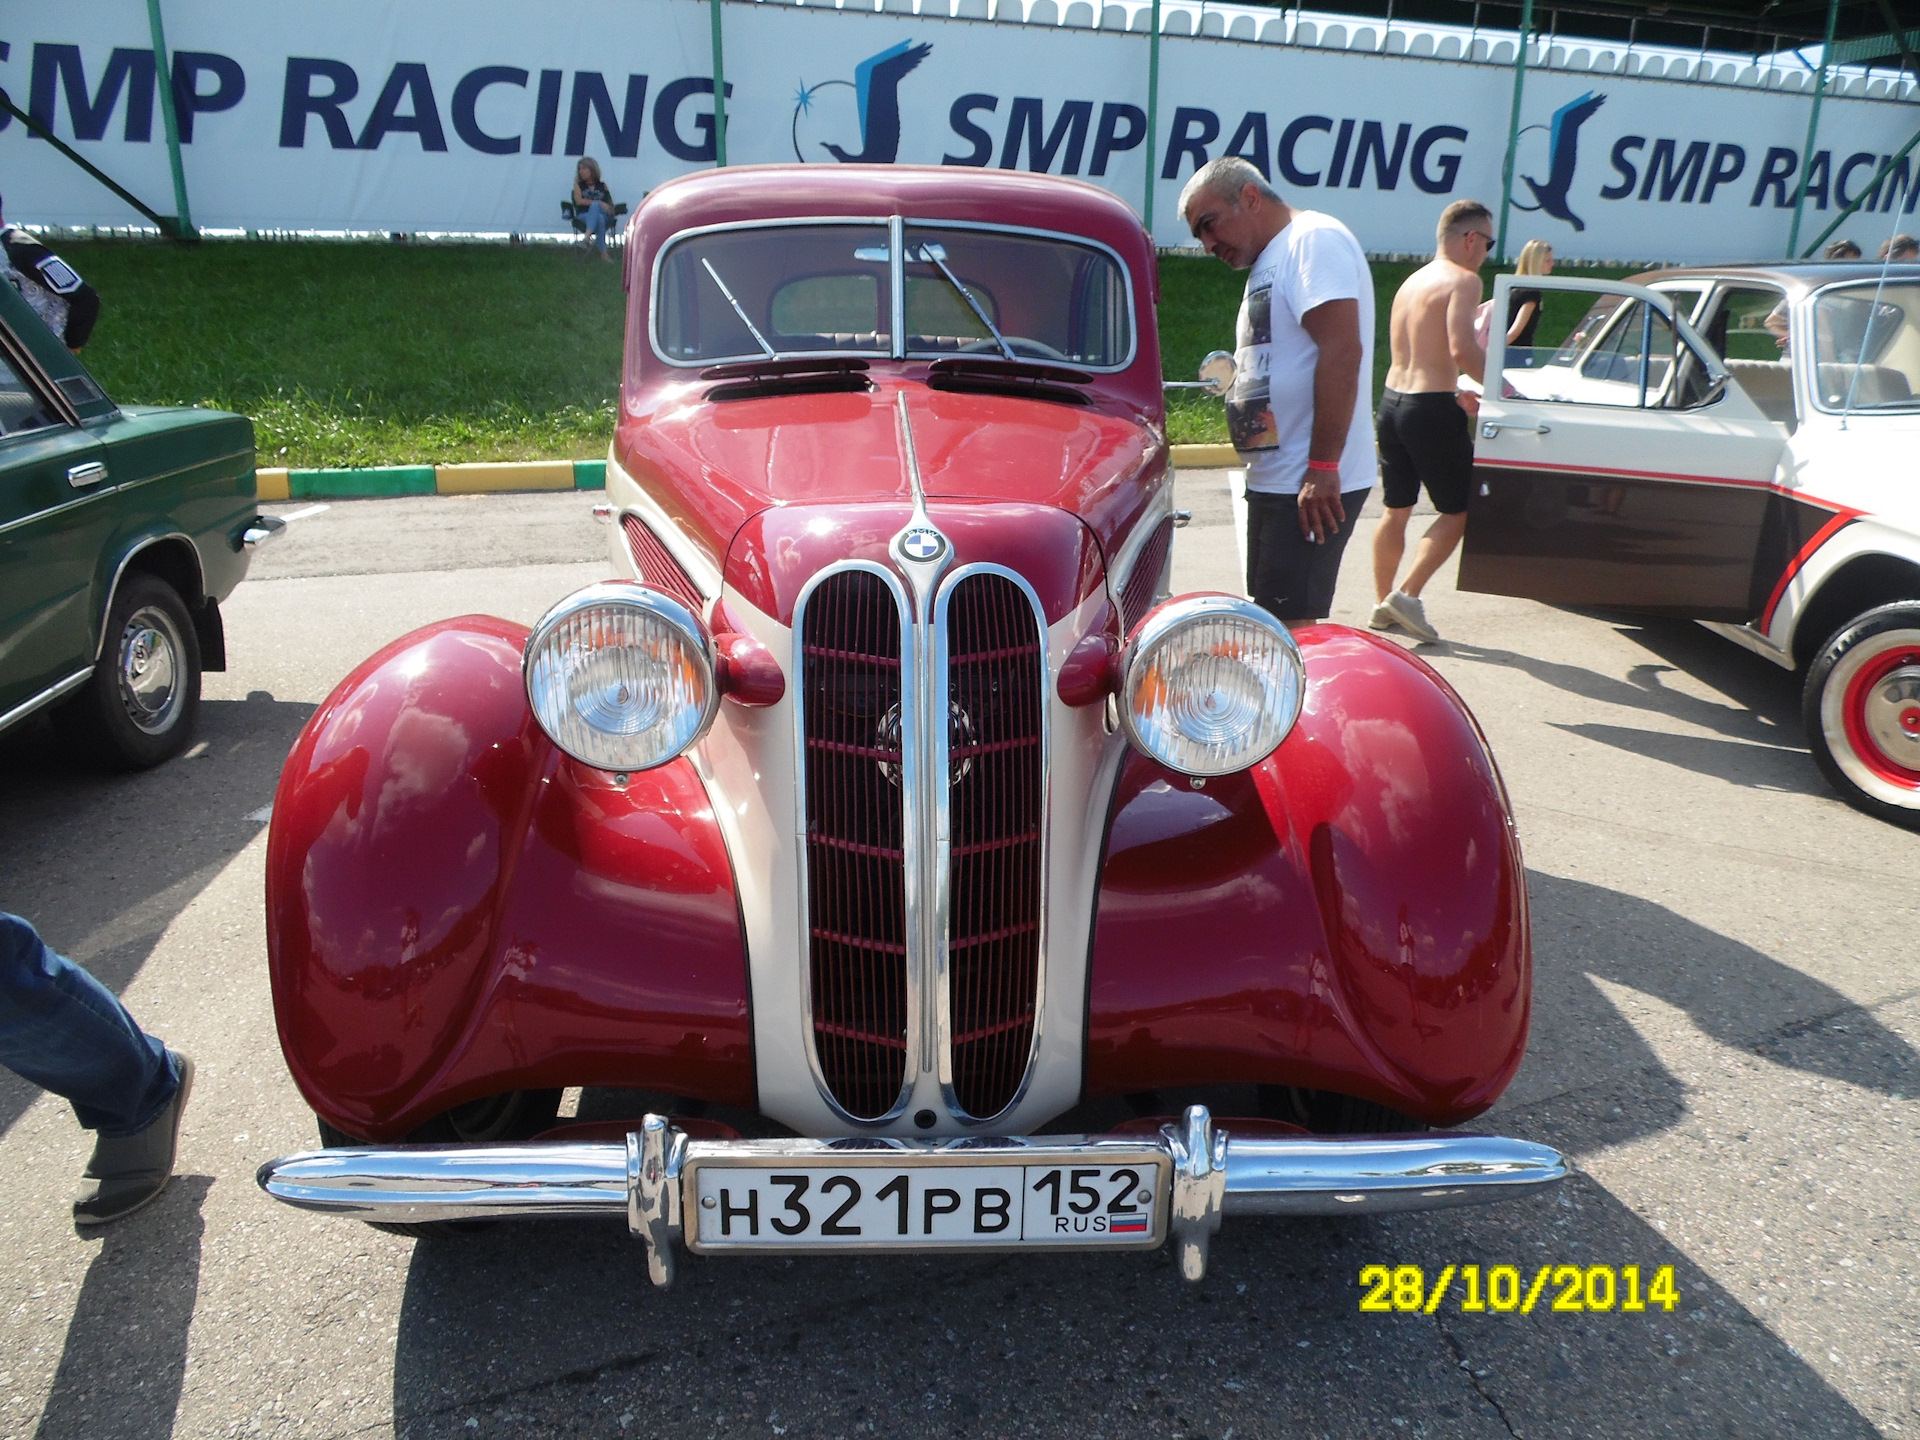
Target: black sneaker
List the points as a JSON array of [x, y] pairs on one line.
[[130, 1172]]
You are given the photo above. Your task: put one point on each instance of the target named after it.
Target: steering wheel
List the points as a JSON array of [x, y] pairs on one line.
[[1026, 349]]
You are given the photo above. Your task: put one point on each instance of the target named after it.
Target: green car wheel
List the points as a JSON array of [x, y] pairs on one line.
[[140, 705]]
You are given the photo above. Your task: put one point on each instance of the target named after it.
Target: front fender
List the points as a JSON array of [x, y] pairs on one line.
[[1349, 915], [456, 909]]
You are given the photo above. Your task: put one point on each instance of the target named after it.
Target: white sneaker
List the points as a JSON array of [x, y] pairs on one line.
[[1408, 613], [1382, 617]]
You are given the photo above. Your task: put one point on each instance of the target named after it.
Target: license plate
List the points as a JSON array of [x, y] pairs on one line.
[[930, 1201]]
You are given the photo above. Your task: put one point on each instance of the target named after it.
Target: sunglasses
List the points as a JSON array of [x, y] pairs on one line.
[[1484, 236]]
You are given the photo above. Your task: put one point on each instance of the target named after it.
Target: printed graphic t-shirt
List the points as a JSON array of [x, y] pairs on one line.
[[1270, 407]]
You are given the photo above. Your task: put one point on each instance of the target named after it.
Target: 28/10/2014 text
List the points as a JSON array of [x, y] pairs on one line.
[[1572, 1289]]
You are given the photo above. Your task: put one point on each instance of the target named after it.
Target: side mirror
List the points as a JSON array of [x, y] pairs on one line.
[[1216, 375], [1217, 372]]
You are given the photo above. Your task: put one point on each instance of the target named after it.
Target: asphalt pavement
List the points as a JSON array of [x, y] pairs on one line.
[[1726, 1016]]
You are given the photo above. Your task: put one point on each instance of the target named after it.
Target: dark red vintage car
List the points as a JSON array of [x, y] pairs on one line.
[[883, 808]]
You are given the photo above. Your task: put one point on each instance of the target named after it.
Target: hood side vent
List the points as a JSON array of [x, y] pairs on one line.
[[1143, 581], [658, 568]]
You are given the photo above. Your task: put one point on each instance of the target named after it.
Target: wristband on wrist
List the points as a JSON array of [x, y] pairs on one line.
[[1331, 467]]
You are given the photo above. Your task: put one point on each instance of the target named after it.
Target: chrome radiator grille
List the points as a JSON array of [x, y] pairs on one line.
[[924, 853], [995, 688], [851, 696]]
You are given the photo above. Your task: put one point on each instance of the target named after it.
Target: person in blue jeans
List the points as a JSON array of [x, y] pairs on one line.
[[64, 1031], [593, 203]]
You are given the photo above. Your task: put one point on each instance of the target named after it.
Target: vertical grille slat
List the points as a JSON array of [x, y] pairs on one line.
[[996, 681], [856, 841]]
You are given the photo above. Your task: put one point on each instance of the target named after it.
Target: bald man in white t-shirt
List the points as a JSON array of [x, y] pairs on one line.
[[1300, 410]]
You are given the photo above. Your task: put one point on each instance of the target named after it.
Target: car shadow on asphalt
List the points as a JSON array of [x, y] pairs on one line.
[[555, 1328], [101, 863], [545, 1327], [1737, 762], [125, 1356], [1765, 709], [1736, 995], [1747, 679]]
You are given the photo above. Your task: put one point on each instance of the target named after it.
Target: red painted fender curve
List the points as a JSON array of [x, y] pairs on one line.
[[455, 908], [1349, 915]]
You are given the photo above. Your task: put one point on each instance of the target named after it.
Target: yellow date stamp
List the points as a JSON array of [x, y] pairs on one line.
[[1506, 1289]]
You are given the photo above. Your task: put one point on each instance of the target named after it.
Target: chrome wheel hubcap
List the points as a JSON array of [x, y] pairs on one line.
[[149, 670], [1870, 717], [1890, 715]]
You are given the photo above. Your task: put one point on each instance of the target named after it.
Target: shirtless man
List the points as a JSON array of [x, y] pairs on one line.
[[1424, 433]]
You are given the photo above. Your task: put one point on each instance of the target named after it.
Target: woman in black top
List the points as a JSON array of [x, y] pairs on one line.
[[1523, 306]]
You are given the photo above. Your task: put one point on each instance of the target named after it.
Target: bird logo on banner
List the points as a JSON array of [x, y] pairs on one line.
[[1563, 150], [876, 96]]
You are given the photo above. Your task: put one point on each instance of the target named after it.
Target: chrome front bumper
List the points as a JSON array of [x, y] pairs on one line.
[[1214, 1174]]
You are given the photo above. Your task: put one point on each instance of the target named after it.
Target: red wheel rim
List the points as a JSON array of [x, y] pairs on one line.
[[1854, 711]]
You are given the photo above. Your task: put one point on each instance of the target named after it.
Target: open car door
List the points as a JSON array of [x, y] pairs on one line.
[[1622, 469]]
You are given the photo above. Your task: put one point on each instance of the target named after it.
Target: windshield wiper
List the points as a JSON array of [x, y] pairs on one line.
[[931, 255], [752, 329]]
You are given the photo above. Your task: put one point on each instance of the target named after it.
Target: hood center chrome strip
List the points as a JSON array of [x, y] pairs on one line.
[[923, 555]]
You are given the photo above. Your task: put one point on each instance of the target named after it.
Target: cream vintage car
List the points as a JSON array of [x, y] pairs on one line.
[[1738, 446]]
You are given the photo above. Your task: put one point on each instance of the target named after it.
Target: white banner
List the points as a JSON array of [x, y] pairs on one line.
[[442, 117]]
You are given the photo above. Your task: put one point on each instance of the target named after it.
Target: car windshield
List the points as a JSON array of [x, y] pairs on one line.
[[1866, 347], [1583, 333], [1050, 299], [810, 289]]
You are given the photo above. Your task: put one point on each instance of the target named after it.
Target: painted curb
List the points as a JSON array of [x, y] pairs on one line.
[[283, 484], [519, 475], [1204, 457]]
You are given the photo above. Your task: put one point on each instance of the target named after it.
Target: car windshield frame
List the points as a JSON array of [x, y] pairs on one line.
[[1584, 342], [1809, 304], [895, 227]]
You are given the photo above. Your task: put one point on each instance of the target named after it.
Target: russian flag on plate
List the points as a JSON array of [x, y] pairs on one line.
[[1127, 1225]]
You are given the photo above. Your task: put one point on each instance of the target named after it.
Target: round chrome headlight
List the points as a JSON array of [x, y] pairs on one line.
[[1211, 685], [621, 677]]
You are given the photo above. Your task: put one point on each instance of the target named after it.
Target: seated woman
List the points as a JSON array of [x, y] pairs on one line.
[[593, 203]]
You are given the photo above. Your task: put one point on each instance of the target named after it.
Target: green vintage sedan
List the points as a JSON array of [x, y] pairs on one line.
[[121, 531]]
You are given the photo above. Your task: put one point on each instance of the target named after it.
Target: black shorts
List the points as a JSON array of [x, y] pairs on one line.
[[1289, 575], [1425, 439]]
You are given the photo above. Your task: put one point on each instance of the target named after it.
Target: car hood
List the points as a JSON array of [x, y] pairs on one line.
[[779, 550], [714, 466]]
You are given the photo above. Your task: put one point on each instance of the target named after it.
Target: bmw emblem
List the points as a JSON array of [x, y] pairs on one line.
[[923, 544]]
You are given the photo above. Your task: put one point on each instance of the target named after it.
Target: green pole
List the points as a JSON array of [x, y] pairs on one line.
[[166, 224], [1153, 109], [1513, 128], [1886, 169], [719, 91], [1813, 130], [163, 74]]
